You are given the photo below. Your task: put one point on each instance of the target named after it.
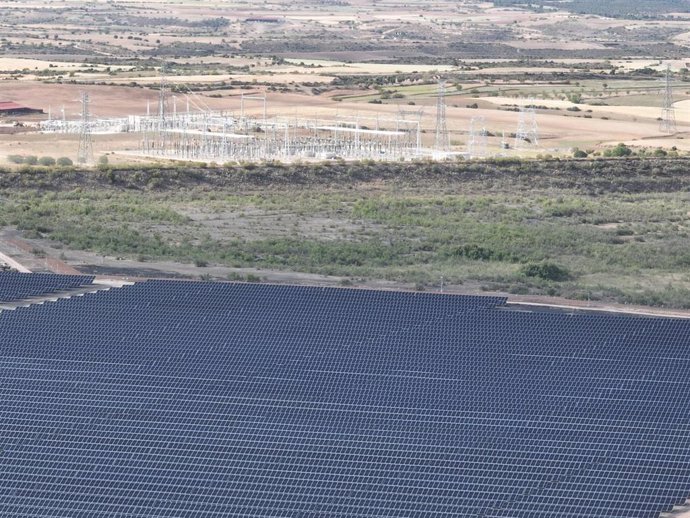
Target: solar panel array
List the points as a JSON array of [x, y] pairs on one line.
[[18, 286], [201, 400]]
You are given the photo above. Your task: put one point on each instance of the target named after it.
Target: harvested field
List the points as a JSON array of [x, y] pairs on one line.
[[387, 53]]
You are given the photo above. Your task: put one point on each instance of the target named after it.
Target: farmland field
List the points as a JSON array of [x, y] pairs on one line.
[[348, 59]]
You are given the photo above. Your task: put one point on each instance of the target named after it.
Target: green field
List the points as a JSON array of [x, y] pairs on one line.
[[604, 230]]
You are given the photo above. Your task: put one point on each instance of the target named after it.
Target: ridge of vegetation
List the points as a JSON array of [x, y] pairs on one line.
[[608, 229], [602, 175]]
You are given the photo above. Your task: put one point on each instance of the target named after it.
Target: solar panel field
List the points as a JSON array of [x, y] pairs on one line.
[[17, 286], [186, 399]]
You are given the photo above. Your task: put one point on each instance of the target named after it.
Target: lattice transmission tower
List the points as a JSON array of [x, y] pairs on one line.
[[442, 141], [163, 122], [85, 155], [476, 145], [416, 117], [668, 112], [163, 100], [527, 133]]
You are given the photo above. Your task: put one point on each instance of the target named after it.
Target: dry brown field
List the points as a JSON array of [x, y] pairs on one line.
[[325, 61]]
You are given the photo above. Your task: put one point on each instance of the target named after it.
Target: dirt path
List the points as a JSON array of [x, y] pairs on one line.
[[28, 256], [682, 512]]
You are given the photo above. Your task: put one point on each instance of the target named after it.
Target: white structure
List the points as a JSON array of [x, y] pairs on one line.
[[527, 134], [668, 112]]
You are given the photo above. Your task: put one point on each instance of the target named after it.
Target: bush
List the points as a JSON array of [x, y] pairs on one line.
[[546, 271], [578, 153], [46, 161], [621, 150], [63, 161], [31, 160], [16, 159], [480, 253]]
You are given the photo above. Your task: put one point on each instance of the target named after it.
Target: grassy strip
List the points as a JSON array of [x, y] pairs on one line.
[[612, 230]]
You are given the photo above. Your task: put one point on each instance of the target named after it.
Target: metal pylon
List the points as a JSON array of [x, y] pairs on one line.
[[527, 131], [442, 141], [163, 142], [163, 98], [416, 118], [85, 155], [668, 112], [476, 145]]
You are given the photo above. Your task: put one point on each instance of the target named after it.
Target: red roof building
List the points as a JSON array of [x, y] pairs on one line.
[[12, 108]]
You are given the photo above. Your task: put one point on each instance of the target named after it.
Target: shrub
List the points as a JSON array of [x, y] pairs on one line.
[[46, 161], [547, 271], [480, 253], [621, 150], [31, 160], [16, 159], [578, 153], [63, 161]]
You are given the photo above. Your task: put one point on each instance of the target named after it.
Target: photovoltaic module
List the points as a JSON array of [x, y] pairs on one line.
[[186, 399]]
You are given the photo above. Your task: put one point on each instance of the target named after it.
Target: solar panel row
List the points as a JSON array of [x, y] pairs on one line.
[[18, 286], [199, 400]]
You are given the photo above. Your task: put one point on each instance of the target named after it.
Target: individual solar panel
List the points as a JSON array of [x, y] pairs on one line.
[[170, 398], [18, 286]]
